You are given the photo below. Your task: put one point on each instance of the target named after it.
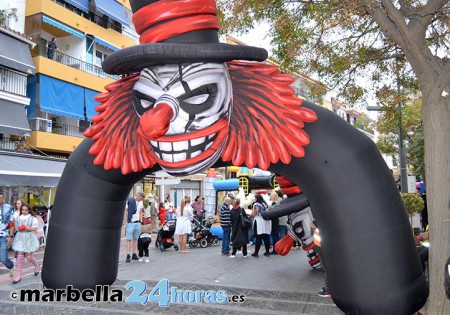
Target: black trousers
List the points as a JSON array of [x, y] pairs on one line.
[[423, 255], [143, 247], [259, 239], [244, 250]]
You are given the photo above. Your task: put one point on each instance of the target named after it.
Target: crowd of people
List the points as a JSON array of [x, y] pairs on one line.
[[21, 228], [240, 228], [143, 220]]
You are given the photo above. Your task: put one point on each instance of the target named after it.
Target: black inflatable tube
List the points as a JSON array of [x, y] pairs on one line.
[[84, 233], [286, 206], [368, 246], [372, 262]]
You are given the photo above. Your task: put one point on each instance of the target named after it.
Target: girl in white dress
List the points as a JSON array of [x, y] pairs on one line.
[[183, 227], [25, 240]]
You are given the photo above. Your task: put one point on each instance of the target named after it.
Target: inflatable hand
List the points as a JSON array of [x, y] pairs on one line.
[[283, 246], [22, 228]]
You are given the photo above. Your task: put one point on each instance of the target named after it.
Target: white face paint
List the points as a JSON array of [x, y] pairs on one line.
[[200, 95]]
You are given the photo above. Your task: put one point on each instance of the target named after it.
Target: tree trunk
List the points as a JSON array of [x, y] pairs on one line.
[[436, 119]]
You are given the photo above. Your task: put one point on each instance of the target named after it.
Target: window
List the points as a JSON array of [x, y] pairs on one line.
[[99, 57]]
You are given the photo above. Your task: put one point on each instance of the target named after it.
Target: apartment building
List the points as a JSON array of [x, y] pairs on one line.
[[354, 117], [57, 89]]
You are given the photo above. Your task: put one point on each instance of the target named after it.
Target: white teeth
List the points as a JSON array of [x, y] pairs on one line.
[[208, 145], [196, 153], [211, 136], [167, 157], [197, 141], [180, 146], [158, 155], [165, 146], [179, 157], [154, 143]]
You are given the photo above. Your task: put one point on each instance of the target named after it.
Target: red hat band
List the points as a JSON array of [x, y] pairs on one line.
[[165, 19]]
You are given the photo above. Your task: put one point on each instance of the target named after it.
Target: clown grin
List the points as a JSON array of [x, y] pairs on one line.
[[188, 149]]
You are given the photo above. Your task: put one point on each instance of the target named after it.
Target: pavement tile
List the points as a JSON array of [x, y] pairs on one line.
[[274, 285]]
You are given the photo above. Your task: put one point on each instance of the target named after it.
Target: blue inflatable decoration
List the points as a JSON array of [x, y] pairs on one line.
[[186, 105]]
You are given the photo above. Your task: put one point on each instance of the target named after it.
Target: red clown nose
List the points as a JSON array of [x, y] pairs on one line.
[[156, 121]]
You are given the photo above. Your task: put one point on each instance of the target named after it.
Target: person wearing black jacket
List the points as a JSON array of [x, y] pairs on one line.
[[239, 232]]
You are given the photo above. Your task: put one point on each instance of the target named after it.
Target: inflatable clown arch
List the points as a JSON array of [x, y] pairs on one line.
[[187, 103]]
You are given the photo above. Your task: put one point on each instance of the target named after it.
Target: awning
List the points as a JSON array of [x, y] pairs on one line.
[[13, 118], [62, 26], [15, 54], [105, 44], [80, 4], [30, 171], [61, 98], [91, 104], [114, 10]]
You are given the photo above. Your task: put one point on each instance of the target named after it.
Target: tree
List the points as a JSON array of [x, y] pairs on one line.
[[343, 40], [3, 17], [411, 119]]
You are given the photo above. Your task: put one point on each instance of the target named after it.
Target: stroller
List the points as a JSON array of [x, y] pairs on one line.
[[164, 239], [202, 234]]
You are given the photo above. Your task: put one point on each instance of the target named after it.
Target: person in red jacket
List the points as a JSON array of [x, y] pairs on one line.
[[162, 213]]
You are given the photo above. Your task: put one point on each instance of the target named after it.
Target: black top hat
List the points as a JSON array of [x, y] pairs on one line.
[[176, 31]]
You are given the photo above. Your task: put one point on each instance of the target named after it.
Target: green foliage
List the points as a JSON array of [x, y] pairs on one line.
[[363, 122], [413, 203], [412, 126], [336, 40], [3, 17]]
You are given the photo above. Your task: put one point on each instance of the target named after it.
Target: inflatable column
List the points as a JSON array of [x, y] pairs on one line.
[[368, 246]]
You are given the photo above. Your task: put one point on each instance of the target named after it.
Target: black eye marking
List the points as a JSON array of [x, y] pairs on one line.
[[199, 99], [142, 102]]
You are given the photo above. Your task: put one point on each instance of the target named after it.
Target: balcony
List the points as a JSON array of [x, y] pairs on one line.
[[14, 145], [99, 20], [86, 23], [74, 63], [46, 125], [55, 137], [13, 82]]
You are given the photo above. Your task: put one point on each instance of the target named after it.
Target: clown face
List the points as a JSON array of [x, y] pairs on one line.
[[184, 113]]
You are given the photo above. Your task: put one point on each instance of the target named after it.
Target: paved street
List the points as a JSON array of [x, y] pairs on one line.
[[271, 285]]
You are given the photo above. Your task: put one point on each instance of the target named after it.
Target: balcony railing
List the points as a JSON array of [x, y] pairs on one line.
[[7, 144], [13, 82], [46, 125], [91, 16], [74, 63]]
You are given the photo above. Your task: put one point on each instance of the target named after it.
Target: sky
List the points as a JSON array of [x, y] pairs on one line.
[[258, 37]]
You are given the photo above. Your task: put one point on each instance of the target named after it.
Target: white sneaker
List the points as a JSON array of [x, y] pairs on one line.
[[232, 256], [245, 256], [140, 259], [147, 260]]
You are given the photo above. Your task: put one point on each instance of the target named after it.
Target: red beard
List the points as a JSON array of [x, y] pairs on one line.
[[274, 133]]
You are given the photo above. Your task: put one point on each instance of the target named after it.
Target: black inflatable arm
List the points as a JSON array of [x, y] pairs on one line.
[[368, 247], [286, 207], [85, 228]]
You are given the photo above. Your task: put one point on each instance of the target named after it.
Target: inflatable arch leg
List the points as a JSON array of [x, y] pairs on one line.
[[85, 228], [369, 251]]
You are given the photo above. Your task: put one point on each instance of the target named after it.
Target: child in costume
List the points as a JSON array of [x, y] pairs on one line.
[[25, 240]]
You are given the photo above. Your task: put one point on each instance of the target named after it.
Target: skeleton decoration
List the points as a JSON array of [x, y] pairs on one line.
[[300, 219], [299, 230], [188, 103]]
